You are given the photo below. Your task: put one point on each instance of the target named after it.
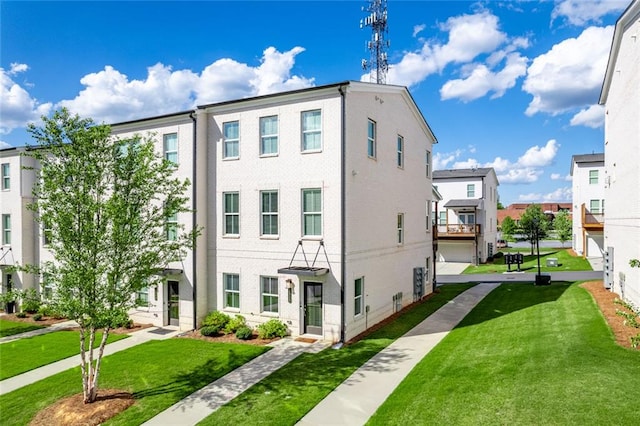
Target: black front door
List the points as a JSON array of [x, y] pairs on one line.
[[173, 302], [313, 308]]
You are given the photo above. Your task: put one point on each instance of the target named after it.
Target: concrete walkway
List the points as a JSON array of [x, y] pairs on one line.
[[358, 397], [135, 338], [53, 327], [205, 401]]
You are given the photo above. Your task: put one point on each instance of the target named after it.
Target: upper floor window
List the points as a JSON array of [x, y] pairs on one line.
[[371, 138], [6, 176], [427, 162], [311, 130], [171, 226], [231, 144], [269, 212], [593, 177], [231, 201], [269, 135], [312, 211], [170, 142], [6, 229], [596, 207], [46, 232], [471, 190], [400, 228], [400, 152]]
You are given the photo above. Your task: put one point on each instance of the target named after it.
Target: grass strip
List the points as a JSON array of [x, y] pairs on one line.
[[566, 262], [22, 355], [159, 373], [9, 328], [525, 355], [285, 396]]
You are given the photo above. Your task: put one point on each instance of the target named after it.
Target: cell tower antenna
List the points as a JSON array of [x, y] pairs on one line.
[[377, 65]]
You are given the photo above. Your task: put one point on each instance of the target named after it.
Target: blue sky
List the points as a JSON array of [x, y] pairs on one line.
[[512, 85]]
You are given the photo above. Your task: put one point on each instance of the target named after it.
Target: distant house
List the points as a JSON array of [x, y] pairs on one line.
[[621, 98], [587, 173], [516, 210], [467, 215]]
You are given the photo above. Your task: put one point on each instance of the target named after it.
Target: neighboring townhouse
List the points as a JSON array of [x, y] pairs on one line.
[[20, 232], [315, 203], [516, 210], [319, 203], [467, 215], [621, 98], [587, 172]]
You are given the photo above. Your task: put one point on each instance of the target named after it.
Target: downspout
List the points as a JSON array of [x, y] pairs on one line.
[[343, 215], [194, 183]]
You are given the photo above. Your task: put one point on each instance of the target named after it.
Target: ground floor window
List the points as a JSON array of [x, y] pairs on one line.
[[142, 296], [231, 290], [358, 300], [269, 288]]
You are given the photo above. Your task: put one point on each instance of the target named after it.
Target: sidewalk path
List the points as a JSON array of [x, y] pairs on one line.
[[205, 401], [357, 398], [53, 327], [135, 338]]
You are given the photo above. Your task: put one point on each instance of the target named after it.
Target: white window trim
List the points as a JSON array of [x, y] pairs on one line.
[[263, 214], [304, 214], [262, 294], [358, 298], [225, 291], [400, 229], [166, 151], [372, 140], [225, 140], [400, 152], [225, 214], [276, 135], [303, 132], [471, 189], [6, 176], [6, 231]]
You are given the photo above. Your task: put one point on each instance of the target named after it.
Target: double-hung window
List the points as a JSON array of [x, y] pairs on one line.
[[371, 138], [6, 229], [170, 143], [231, 201], [46, 289], [400, 152], [6, 176], [400, 228], [171, 226], [231, 290], [311, 130], [269, 135], [231, 142], [269, 290], [46, 232], [269, 212], [142, 296], [471, 190], [312, 211], [593, 177], [358, 300], [442, 219], [594, 206], [427, 161]]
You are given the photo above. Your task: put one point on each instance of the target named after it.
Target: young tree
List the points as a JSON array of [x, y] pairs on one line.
[[563, 226], [508, 227], [105, 202], [534, 224]]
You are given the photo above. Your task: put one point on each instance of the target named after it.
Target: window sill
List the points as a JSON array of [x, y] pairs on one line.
[[311, 238], [230, 158], [231, 236], [229, 309], [269, 155], [311, 151], [269, 237], [270, 314]]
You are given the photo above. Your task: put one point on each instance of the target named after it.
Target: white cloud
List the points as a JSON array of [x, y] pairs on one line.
[[417, 29], [17, 106], [580, 12], [591, 117], [570, 75], [559, 195], [469, 37], [111, 96], [4, 145], [558, 176], [481, 80], [526, 169]]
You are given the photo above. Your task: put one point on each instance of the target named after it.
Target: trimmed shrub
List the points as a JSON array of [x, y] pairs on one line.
[[30, 301], [244, 332], [271, 329], [37, 317], [215, 322], [234, 324], [122, 320], [209, 330], [498, 255], [21, 314]]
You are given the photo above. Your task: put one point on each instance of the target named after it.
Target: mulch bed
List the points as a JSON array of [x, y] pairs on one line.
[[228, 338]]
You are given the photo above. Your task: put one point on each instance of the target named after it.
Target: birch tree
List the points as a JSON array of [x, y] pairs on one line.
[[105, 202]]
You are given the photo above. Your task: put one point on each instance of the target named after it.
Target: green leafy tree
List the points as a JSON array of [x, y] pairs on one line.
[[508, 227], [105, 202], [563, 226], [534, 222]]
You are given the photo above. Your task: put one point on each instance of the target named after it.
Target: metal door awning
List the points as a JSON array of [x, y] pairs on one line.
[[306, 269]]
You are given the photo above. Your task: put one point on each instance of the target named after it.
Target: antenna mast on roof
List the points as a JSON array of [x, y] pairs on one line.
[[377, 46]]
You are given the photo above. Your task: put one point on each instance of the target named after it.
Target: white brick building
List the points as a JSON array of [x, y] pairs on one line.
[[587, 172], [621, 98], [467, 215], [315, 205]]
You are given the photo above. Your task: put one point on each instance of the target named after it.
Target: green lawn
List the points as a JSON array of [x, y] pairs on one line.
[[566, 262], [287, 395], [9, 328], [22, 355], [159, 373], [525, 355]]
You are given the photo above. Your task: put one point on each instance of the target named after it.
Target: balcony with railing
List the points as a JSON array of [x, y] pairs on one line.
[[592, 220], [458, 231]]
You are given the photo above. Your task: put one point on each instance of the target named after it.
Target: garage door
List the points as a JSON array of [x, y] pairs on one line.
[[455, 252]]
